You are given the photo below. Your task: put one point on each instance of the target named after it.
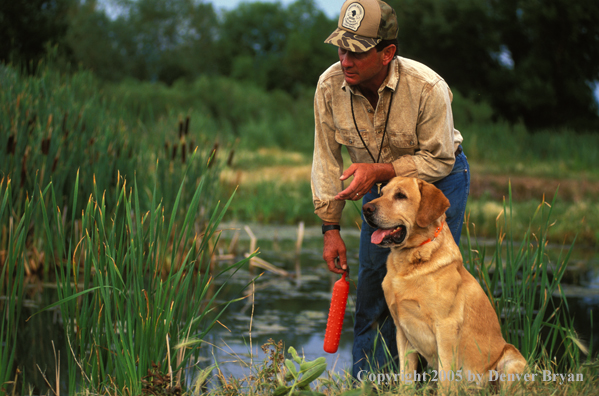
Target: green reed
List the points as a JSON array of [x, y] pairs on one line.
[[52, 125], [136, 283], [12, 252], [521, 281], [135, 286]]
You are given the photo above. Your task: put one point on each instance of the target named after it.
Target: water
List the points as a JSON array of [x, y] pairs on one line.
[[295, 309], [292, 309]]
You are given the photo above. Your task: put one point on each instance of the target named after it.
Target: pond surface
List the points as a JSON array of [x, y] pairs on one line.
[[288, 308], [294, 309]]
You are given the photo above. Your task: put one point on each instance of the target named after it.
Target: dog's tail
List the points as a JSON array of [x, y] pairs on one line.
[[511, 362]]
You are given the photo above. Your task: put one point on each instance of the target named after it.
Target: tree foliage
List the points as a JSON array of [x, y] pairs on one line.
[[27, 26], [533, 61], [554, 45], [274, 46], [156, 40]]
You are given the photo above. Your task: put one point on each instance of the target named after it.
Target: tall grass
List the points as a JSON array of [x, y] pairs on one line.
[[520, 281], [52, 125], [135, 287], [13, 254]]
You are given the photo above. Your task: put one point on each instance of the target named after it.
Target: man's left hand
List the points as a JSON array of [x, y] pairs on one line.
[[365, 176]]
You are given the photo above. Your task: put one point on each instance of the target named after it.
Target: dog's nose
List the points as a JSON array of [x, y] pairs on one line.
[[368, 209]]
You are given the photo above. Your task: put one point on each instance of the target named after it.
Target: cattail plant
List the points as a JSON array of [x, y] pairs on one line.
[[35, 107], [122, 312]]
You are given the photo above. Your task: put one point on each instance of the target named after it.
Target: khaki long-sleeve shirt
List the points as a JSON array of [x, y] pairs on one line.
[[420, 140]]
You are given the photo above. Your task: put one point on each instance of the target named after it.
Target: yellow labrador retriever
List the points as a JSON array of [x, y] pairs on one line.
[[439, 309]]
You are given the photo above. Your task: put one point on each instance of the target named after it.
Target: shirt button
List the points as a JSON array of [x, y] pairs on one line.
[[412, 143], [351, 141], [370, 110]]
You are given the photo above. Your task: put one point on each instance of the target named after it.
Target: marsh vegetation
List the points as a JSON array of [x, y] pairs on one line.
[[123, 192]]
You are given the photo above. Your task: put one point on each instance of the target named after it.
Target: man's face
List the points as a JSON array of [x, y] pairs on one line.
[[359, 68]]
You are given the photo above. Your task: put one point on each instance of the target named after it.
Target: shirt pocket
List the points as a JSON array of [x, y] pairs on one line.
[[403, 142], [350, 138], [355, 147]]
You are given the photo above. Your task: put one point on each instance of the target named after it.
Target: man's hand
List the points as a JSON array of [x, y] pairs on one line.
[[334, 247], [365, 176]]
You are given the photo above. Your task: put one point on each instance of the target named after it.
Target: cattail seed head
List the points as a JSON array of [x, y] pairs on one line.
[[230, 159], [212, 158], [54, 164], [187, 125], [24, 166], [11, 145], [45, 146]]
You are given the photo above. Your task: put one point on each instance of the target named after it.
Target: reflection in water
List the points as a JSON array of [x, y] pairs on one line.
[[40, 342], [288, 309]]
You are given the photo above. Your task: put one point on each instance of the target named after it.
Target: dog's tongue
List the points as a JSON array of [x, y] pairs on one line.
[[378, 236]]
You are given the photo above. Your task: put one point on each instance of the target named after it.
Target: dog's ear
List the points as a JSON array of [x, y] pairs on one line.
[[432, 204]]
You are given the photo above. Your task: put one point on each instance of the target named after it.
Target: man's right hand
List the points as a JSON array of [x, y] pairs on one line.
[[334, 247]]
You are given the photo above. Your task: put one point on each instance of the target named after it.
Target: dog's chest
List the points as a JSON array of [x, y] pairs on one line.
[[416, 306], [417, 326]]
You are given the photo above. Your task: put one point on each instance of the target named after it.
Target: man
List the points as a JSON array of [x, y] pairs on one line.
[[394, 116]]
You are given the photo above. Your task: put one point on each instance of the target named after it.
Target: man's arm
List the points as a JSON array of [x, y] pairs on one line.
[[327, 165], [327, 162]]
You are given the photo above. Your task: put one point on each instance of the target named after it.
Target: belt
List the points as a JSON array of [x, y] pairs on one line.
[[459, 150]]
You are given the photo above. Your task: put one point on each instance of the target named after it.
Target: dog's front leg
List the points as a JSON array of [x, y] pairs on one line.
[[408, 357], [447, 335]]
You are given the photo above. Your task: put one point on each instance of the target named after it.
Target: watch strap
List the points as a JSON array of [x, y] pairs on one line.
[[330, 227]]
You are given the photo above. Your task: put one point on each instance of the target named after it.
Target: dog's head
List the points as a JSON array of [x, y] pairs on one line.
[[407, 205]]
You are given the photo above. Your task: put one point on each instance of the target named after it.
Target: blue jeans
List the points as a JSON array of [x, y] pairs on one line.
[[374, 330]]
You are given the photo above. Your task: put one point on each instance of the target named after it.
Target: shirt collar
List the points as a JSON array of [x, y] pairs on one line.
[[390, 82]]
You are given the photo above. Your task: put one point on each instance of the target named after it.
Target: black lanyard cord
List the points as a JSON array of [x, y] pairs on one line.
[[351, 99]]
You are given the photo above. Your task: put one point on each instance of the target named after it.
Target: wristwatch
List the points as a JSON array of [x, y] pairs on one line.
[[330, 227]]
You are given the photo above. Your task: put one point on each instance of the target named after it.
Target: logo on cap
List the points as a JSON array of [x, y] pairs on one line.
[[353, 16]]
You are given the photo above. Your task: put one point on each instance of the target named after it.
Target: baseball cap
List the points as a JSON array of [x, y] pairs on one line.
[[363, 24]]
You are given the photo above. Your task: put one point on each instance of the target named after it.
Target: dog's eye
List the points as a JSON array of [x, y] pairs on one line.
[[399, 195]]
